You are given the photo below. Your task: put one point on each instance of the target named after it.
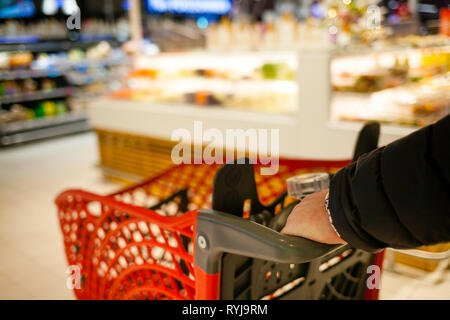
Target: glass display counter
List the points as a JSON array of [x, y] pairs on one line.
[[408, 87]]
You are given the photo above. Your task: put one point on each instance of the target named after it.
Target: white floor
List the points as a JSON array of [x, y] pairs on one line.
[[32, 261]]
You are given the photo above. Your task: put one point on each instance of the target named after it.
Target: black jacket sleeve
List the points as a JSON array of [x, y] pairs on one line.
[[396, 196]]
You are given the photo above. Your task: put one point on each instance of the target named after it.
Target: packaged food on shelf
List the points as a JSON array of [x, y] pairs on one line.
[[416, 104], [275, 33], [29, 85], [48, 73], [378, 71], [9, 87], [329, 24], [102, 50], [4, 60], [20, 60], [16, 113], [56, 29], [254, 81], [428, 100]]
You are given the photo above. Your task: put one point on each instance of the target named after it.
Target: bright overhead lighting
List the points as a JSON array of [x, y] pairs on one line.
[[70, 7], [49, 7]]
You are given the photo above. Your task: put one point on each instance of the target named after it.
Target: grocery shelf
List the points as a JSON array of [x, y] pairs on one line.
[[51, 45], [54, 66], [37, 95], [27, 74], [16, 39], [31, 124], [61, 69], [34, 129], [86, 79], [110, 61], [364, 50]]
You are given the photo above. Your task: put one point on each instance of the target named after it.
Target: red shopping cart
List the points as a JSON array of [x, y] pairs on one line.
[[204, 232]]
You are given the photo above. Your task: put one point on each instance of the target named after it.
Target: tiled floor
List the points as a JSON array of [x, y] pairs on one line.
[[32, 262]]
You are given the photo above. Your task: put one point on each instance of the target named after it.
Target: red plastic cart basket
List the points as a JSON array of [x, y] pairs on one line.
[[138, 243]]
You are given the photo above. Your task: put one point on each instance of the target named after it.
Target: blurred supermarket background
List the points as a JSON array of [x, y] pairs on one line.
[[90, 100]]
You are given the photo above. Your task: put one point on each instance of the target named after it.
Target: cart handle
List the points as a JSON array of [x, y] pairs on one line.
[[218, 232]]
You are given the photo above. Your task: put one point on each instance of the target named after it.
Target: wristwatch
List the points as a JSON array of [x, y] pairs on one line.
[[327, 209]]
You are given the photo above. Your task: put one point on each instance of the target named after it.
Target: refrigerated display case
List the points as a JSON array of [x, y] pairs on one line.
[[264, 82], [403, 86], [306, 94]]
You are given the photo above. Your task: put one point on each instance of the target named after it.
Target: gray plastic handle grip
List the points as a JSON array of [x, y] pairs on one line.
[[219, 232]]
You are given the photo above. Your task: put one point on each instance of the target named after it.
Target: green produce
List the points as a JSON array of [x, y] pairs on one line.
[[49, 108], [39, 111], [60, 107]]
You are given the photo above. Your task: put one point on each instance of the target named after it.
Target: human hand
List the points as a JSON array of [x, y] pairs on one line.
[[309, 219]]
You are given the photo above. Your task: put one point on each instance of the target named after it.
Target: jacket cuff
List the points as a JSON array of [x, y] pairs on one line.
[[344, 213]]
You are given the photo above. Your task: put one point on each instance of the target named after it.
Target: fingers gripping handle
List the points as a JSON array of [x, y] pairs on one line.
[[219, 232], [299, 187]]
